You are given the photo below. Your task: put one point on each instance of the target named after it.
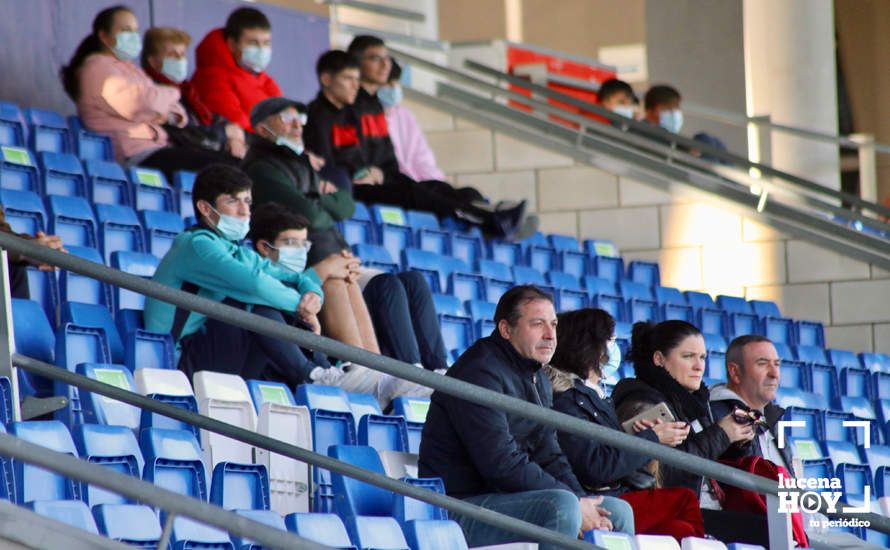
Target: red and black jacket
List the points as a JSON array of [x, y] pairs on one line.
[[353, 137]]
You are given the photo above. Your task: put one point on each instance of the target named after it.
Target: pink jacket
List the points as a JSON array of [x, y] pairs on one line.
[[118, 99], [416, 159]]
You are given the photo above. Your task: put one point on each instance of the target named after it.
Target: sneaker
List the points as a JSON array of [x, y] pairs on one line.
[[526, 229], [507, 217], [330, 376], [359, 378]]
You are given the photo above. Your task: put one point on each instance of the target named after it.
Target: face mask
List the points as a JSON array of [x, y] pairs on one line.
[[390, 96], [256, 58], [626, 111], [232, 228], [610, 367], [293, 258], [671, 120], [127, 45], [175, 69], [294, 145]]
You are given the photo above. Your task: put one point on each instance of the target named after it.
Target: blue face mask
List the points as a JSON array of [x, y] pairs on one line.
[[127, 45], [293, 258], [672, 120], [610, 367], [175, 69], [256, 58], [390, 96], [232, 228]]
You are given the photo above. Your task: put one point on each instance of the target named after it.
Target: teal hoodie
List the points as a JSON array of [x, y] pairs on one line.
[[223, 269]]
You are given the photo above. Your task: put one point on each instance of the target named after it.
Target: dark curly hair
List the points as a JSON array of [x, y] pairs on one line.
[[582, 337], [648, 338]]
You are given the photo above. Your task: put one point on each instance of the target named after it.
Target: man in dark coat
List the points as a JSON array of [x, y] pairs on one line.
[[506, 462]]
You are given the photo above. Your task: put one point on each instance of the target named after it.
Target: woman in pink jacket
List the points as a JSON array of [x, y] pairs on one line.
[[115, 97]]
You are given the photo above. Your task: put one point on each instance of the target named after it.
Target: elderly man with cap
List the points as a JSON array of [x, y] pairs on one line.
[[393, 314]]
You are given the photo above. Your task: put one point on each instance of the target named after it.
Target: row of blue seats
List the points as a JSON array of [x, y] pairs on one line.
[[43, 130], [99, 182]]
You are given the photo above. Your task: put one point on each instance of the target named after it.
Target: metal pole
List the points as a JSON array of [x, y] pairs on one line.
[[142, 491], [868, 171], [457, 506], [7, 336]]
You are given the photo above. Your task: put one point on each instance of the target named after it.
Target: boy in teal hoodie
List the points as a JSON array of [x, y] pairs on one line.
[[208, 260]]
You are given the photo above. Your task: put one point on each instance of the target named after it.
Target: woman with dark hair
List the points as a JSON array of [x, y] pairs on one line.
[[115, 97], [669, 361], [586, 352]]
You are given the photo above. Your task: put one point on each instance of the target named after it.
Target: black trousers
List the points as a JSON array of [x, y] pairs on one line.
[[18, 280]]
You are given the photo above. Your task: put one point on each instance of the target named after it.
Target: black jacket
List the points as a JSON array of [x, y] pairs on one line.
[[380, 151], [772, 413], [654, 385], [600, 468], [478, 450]]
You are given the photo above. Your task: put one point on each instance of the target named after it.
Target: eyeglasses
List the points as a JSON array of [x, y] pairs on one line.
[[294, 243], [291, 116]]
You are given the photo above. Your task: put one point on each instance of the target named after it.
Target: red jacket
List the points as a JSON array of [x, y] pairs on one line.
[[226, 88]]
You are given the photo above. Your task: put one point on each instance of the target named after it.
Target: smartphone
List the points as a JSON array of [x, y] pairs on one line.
[[362, 173], [653, 413]]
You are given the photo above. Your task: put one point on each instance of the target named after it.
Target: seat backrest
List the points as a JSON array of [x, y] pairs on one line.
[[108, 183], [101, 410], [48, 131], [359, 498], [842, 452], [119, 229], [240, 486], [77, 344], [134, 263], [134, 524], [150, 190], [414, 409], [765, 308], [480, 309], [363, 404], [34, 483], [646, 273], [810, 354], [699, 300], [841, 358], [855, 382], [80, 288], [327, 529], [809, 333], [12, 125], [494, 270], [407, 509], [62, 174], [446, 304], [113, 447], [72, 512], [563, 281], [523, 275], [875, 362], [669, 295], [160, 230], [383, 433], [262, 391], [24, 211], [316, 396], [733, 304], [33, 335], [631, 289], [563, 242], [95, 315], [174, 461], [224, 397], [162, 381], [71, 218], [18, 169]]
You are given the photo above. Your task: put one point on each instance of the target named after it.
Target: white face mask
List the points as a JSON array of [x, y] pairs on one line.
[[232, 228], [626, 111], [175, 69], [672, 120], [256, 58], [127, 45]]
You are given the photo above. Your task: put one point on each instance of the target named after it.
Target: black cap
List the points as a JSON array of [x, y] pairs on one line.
[[272, 106]]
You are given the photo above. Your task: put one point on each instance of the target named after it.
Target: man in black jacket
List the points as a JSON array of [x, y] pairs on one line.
[[505, 462], [347, 127]]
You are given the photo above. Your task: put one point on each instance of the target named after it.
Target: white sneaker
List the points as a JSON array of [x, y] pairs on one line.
[[326, 376]]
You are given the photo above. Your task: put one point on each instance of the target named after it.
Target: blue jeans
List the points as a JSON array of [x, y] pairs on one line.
[[405, 320], [554, 509], [622, 514]]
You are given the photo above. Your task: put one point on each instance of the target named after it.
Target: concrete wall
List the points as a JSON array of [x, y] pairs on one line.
[[699, 244]]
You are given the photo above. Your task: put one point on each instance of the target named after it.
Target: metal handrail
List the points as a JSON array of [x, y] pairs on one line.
[[638, 127], [444, 384], [148, 493]]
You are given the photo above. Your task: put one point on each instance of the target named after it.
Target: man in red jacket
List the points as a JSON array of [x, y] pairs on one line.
[[231, 61]]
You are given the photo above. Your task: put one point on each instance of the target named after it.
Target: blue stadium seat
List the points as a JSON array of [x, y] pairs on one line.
[[160, 230], [266, 517], [427, 233], [374, 255], [765, 308], [150, 190], [430, 264], [607, 267], [366, 510], [569, 294], [62, 174], [854, 479], [569, 256], [598, 285], [880, 385], [855, 382], [509, 253], [391, 222], [7, 476], [359, 228], [383, 433], [112, 447], [812, 423], [47, 131], [715, 367], [183, 183], [34, 338], [75, 345], [72, 512], [327, 529], [668, 312], [711, 321], [796, 397], [599, 247], [174, 461], [715, 342], [480, 309], [414, 409], [614, 305], [88, 145], [12, 125], [240, 486], [134, 263], [430, 535], [645, 273], [492, 269], [783, 351], [875, 362], [80, 288], [119, 229], [733, 304], [833, 428], [876, 456], [456, 326], [35, 483], [157, 420], [607, 539], [740, 324], [329, 398], [843, 358], [623, 330], [630, 289], [861, 407], [466, 286], [188, 534], [132, 524], [24, 211], [71, 218], [778, 329], [842, 452], [100, 410], [699, 300], [146, 349], [94, 315], [467, 246], [794, 374], [809, 333], [108, 183], [263, 391], [362, 404], [18, 170], [824, 381], [641, 310], [669, 295], [810, 354]]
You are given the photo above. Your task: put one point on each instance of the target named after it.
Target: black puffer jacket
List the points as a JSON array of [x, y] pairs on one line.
[[478, 450], [654, 385], [600, 468]]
